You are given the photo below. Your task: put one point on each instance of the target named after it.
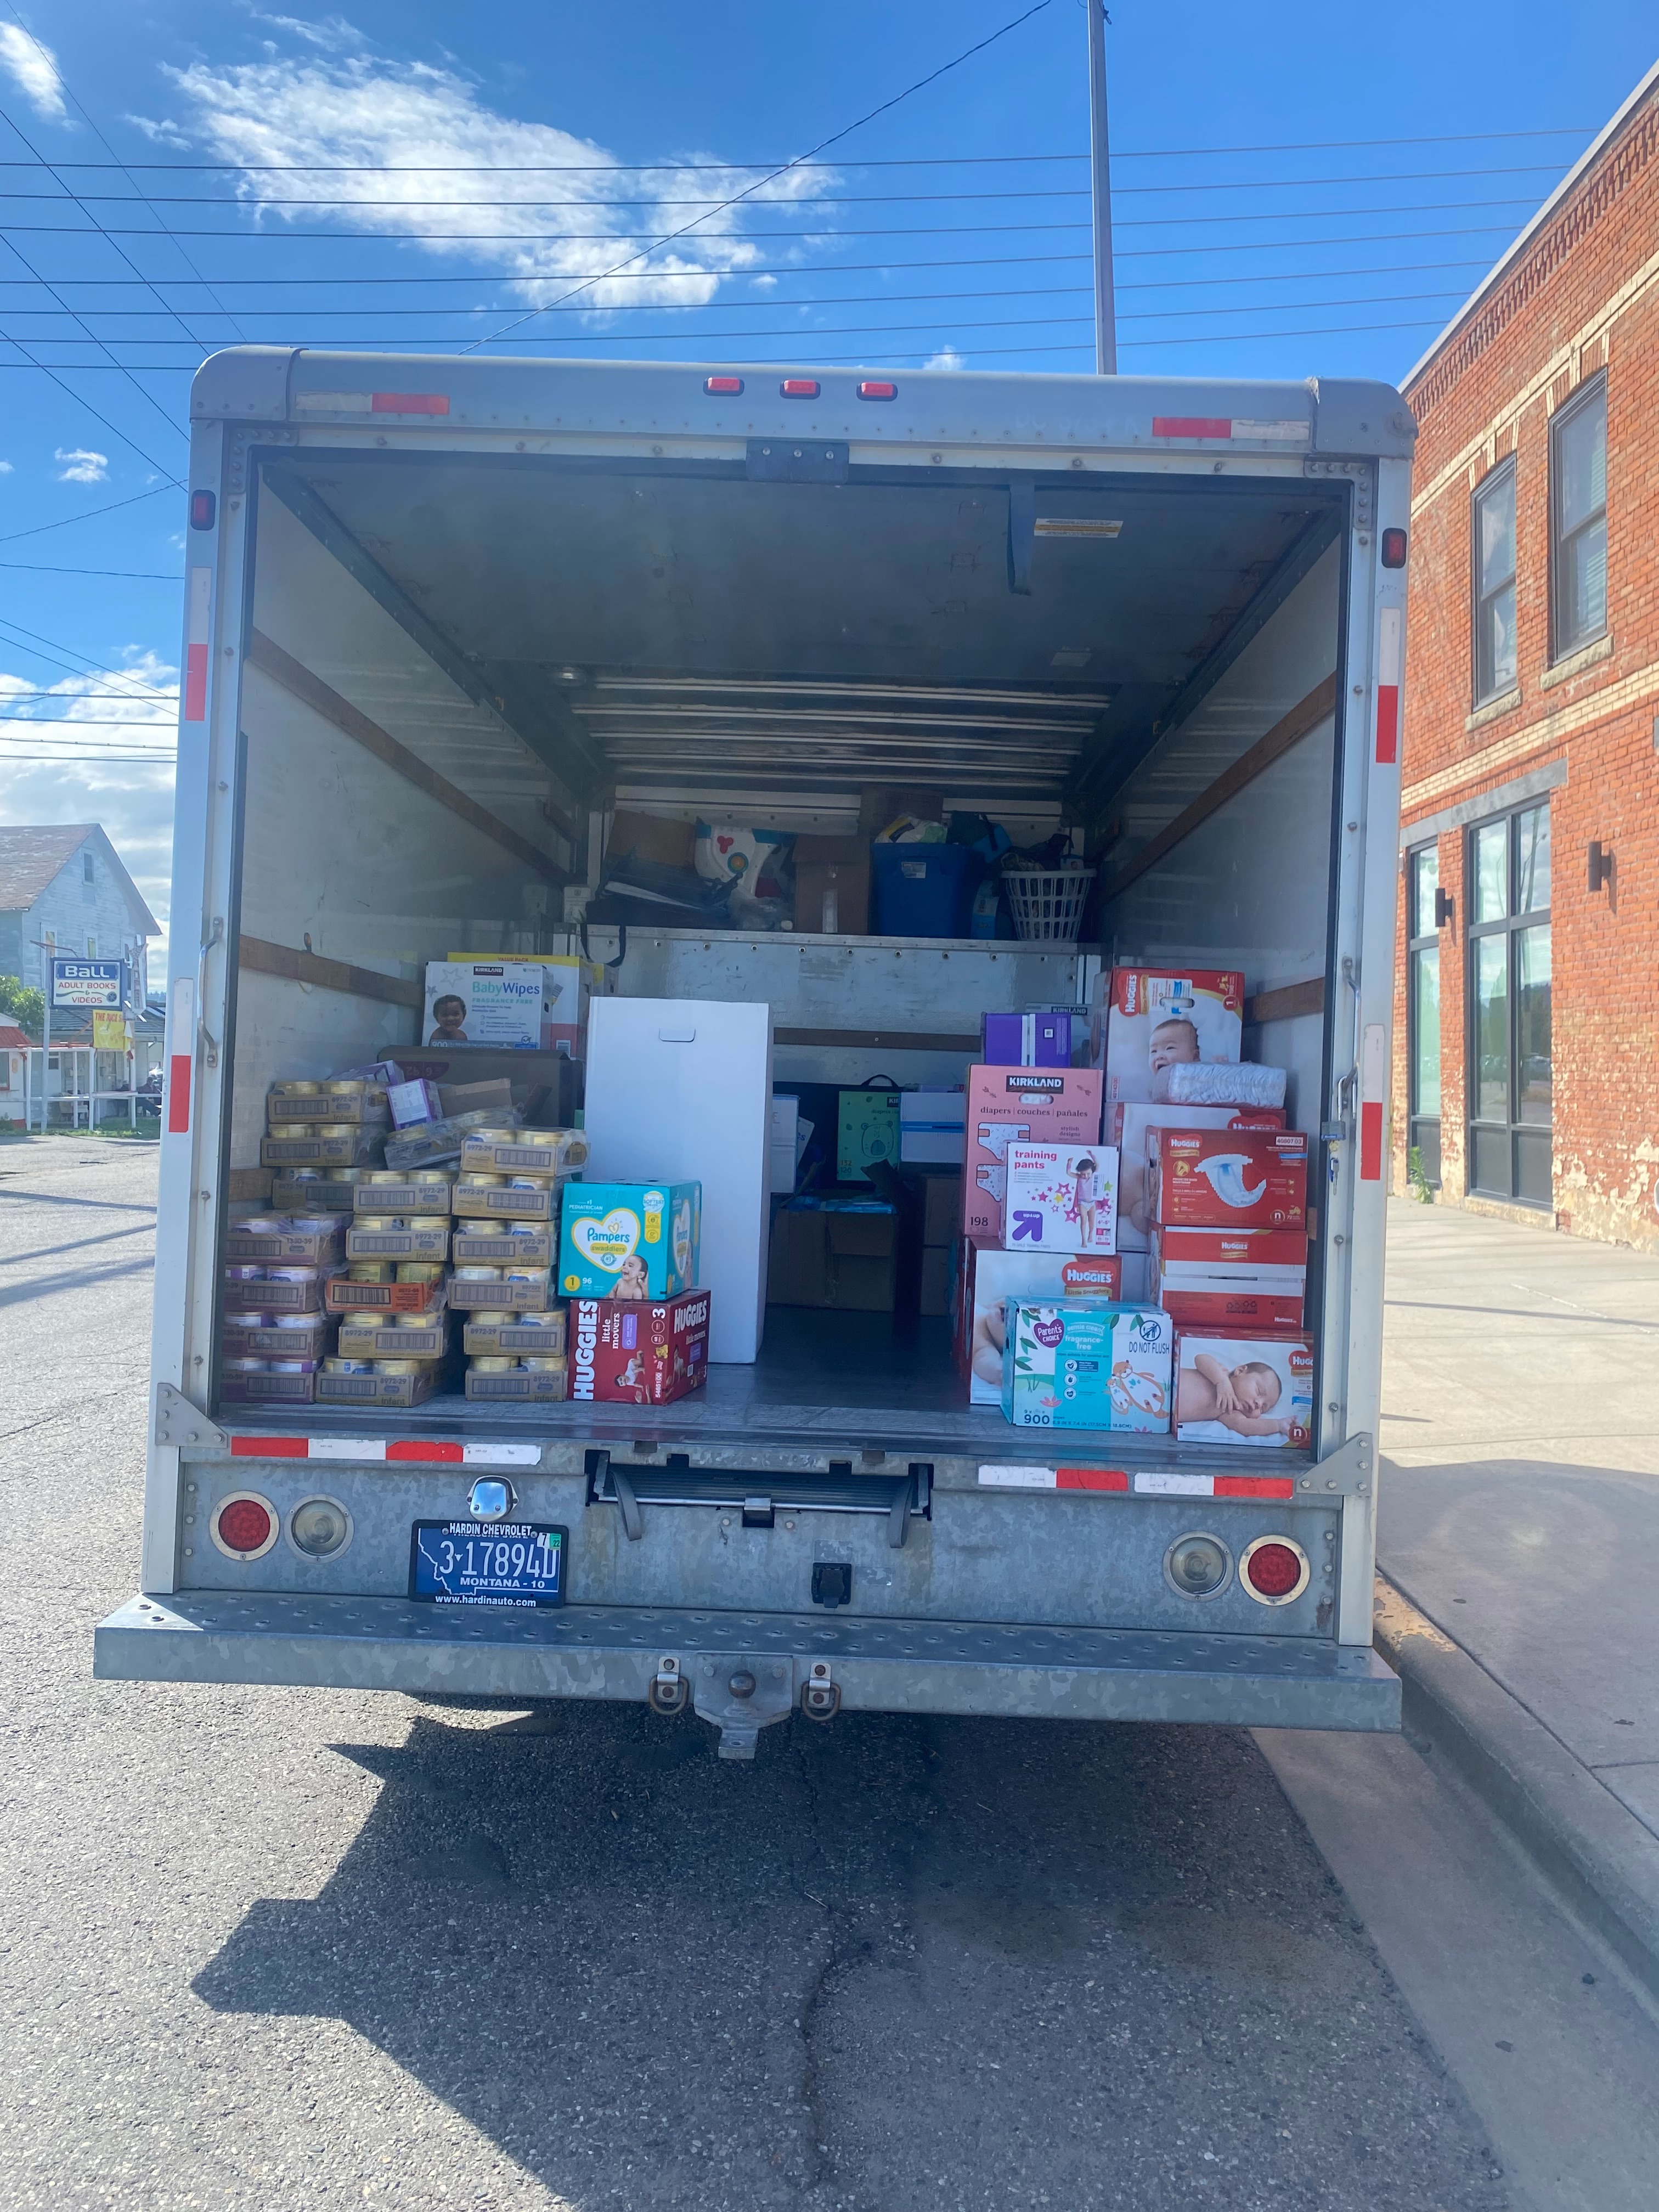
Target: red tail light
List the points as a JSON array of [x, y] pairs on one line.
[[873, 388], [203, 505], [1273, 1569], [800, 387], [245, 1525], [722, 387]]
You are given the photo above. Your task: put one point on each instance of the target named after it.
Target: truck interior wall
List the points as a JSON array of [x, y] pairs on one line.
[[342, 856]]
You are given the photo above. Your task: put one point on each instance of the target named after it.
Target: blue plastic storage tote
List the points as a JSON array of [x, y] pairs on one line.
[[923, 890]]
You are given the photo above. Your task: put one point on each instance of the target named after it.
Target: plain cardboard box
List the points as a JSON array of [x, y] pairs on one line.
[[1015, 1105], [274, 1297], [941, 1208], [268, 1390], [502, 1297], [480, 1247], [366, 1336], [644, 837], [513, 1338], [534, 1151], [539, 1386], [413, 1196], [490, 1202], [314, 1341], [288, 1194], [362, 1151], [396, 1244], [341, 1297], [393, 1390], [297, 1248], [283, 1110], [832, 878], [933, 1295], [845, 1260]]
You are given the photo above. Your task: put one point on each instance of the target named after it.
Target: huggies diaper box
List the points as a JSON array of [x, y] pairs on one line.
[[1061, 1198], [645, 1354], [1127, 1128], [989, 1275], [1230, 1278], [1242, 1389], [630, 1240], [1150, 1018], [1228, 1178], [1020, 1105], [1082, 1364]]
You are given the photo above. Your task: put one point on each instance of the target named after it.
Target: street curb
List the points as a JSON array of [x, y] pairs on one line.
[[1593, 1850]]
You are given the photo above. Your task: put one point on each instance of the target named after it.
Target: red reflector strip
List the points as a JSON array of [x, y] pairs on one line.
[[1370, 1141], [1253, 1486], [196, 664], [1373, 1094], [179, 1095], [408, 403], [1192, 426], [420, 1451], [267, 1447], [872, 388], [1389, 640], [1090, 1478], [800, 387], [198, 630], [723, 387], [446, 1454]]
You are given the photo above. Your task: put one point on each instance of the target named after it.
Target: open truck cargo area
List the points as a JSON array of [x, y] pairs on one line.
[[448, 624]]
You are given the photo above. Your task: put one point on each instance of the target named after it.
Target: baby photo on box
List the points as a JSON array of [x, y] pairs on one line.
[[1156, 1018], [1061, 1198], [1244, 1390]]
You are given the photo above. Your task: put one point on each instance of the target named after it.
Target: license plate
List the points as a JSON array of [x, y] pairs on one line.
[[499, 1563]]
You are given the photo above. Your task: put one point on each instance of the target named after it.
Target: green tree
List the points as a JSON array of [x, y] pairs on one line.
[[26, 1007]]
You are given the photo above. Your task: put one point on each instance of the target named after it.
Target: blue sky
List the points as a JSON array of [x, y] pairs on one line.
[[953, 228]]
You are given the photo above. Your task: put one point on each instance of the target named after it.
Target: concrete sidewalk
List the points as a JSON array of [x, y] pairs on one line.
[[1519, 1520]]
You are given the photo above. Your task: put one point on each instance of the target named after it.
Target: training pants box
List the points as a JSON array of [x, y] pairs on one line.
[[1129, 1127], [989, 1274], [1084, 1365], [1061, 1198], [1228, 1178], [1020, 1106], [630, 1240], [1230, 1279], [1151, 1018], [638, 1353], [1245, 1389]]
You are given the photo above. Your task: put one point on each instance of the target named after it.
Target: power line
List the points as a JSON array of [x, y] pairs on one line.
[[822, 147], [130, 575], [36, 529], [725, 168], [37, 638]]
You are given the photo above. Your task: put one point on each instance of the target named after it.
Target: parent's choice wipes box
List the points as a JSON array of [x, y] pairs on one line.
[[1154, 1018], [630, 1240], [1016, 1106], [1083, 1364]]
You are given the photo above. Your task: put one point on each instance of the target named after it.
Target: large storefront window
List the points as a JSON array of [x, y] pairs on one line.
[[1510, 1138], [1423, 1012]]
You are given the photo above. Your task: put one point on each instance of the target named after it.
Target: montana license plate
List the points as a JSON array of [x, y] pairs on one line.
[[500, 1563]]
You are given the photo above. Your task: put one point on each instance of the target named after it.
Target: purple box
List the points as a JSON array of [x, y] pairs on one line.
[[1040, 1040]]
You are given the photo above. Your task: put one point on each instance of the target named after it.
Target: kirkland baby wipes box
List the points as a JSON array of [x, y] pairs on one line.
[[499, 1002], [1154, 1017], [1019, 1106], [630, 1240], [1061, 1198], [1084, 1365]]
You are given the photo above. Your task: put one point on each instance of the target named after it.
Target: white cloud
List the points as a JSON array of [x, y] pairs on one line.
[[33, 69], [5, 468], [949, 359], [434, 161], [334, 35], [74, 721], [82, 466]]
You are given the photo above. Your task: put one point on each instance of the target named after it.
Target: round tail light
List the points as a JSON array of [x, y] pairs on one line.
[[245, 1525], [1273, 1569], [1197, 1566], [319, 1528]]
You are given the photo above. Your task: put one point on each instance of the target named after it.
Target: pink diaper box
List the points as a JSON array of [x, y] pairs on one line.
[[1061, 1198], [1014, 1106]]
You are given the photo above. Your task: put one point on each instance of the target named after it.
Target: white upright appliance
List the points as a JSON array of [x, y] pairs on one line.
[[682, 1088]]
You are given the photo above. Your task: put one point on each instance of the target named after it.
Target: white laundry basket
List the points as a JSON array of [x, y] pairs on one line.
[[1046, 903]]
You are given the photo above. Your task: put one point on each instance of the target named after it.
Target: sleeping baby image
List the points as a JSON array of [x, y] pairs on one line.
[[1241, 1398]]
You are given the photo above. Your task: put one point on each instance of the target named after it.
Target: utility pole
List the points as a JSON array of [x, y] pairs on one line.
[[1100, 153]]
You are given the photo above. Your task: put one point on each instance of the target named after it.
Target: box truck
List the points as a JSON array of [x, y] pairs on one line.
[[446, 619]]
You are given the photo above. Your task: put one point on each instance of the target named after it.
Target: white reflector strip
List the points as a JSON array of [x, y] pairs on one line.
[[335, 403], [501, 1454], [345, 1448], [1068, 525], [407, 1451], [1020, 1478], [1278, 434], [1175, 1486]]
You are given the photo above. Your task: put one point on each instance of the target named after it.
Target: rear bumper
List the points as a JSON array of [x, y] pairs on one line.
[[876, 1666]]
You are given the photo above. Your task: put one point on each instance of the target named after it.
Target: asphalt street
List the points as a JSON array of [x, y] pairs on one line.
[[269, 1947]]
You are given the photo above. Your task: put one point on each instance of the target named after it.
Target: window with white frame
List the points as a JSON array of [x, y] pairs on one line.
[[1578, 520]]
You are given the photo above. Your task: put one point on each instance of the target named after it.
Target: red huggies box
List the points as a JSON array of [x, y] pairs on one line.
[[638, 1351], [1228, 1178], [1230, 1279]]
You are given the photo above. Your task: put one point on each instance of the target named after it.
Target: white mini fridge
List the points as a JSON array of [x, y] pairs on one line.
[[682, 1088]]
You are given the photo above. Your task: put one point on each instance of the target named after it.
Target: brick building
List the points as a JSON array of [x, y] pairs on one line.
[[1527, 1014]]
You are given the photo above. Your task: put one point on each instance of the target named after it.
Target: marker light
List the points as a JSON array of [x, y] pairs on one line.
[[723, 387], [203, 507], [800, 387], [244, 1525], [873, 388], [1273, 1569], [1197, 1566], [1393, 549], [319, 1528]]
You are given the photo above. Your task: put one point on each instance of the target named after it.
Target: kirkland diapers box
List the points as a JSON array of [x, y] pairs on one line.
[[1127, 1128], [644, 1354], [990, 1274], [630, 1240], [1244, 1390], [1061, 1198], [1154, 1017], [1019, 1106], [1082, 1364], [1228, 1178]]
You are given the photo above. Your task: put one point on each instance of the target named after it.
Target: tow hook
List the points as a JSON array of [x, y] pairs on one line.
[[668, 1692], [820, 1696]]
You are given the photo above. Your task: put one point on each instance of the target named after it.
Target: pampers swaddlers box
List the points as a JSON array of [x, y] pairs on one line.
[[1086, 1364], [630, 1240], [1156, 1017]]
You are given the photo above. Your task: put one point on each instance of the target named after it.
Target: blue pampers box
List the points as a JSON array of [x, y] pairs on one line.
[[1086, 1364], [630, 1240]]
